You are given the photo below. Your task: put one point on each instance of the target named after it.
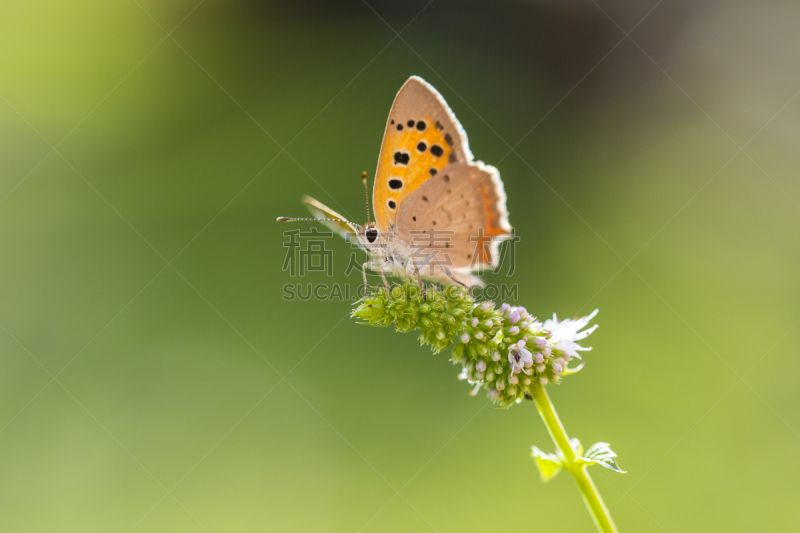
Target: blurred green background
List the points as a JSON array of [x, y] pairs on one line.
[[144, 337]]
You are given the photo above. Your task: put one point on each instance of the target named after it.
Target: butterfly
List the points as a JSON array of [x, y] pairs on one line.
[[439, 214]]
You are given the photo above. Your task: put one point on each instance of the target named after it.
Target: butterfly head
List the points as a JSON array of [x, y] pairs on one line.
[[369, 236]]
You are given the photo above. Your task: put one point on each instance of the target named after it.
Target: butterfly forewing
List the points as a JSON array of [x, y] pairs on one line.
[[422, 136], [338, 223]]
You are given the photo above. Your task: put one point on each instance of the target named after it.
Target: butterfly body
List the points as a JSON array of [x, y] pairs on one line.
[[438, 213], [390, 256]]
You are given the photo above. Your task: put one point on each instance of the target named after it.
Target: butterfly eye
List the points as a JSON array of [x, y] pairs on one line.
[[372, 235]]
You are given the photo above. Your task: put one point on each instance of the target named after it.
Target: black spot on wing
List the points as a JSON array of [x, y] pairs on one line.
[[447, 178], [439, 126], [410, 123], [399, 127], [448, 139], [400, 158], [395, 183], [432, 171], [392, 205], [422, 146], [421, 125], [437, 150]]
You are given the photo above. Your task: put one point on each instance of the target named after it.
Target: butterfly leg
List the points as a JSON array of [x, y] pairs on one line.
[[450, 275], [386, 285], [383, 277], [419, 278]]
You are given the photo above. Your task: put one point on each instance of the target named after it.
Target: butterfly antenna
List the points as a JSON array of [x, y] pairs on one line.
[[292, 219], [366, 191]]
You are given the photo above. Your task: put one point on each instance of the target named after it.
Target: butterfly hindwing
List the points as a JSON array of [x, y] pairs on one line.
[[457, 218], [422, 136]]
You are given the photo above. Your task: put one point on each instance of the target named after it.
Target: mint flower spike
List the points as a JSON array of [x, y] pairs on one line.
[[501, 350], [508, 353]]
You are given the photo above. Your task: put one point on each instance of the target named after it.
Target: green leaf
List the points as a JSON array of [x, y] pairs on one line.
[[601, 454], [549, 464]]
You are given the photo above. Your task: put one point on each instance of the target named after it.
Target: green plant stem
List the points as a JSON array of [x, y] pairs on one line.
[[598, 510]]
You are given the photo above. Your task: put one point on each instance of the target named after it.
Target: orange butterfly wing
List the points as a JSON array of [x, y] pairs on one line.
[[422, 136]]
